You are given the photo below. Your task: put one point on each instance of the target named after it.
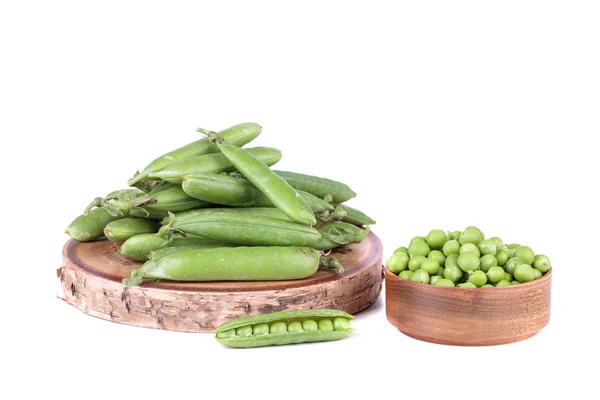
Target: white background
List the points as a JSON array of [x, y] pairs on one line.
[[438, 114]]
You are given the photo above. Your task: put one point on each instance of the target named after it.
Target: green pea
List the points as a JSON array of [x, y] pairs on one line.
[[499, 243], [467, 285], [503, 283], [470, 247], [437, 255], [415, 263], [418, 239], [537, 274], [440, 272], [515, 282], [310, 326], [478, 278], [436, 239], [526, 254], [294, 327], [511, 264], [511, 249], [226, 334], [451, 247], [508, 276], [340, 324], [420, 276], [444, 283], [405, 274], [260, 329], [401, 250], [278, 327], [541, 263], [495, 274], [454, 235], [325, 325], [488, 261], [451, 260], [453, 273], [487, 246], [244, 331], [524, 273], [433, 280], [468, 261], [471, 235], [398, 262], [431, 266], [502, 257], [487, 285], [418, 248]]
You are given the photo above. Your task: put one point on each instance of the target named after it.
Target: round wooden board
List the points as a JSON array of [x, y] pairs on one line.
[[91, 277]]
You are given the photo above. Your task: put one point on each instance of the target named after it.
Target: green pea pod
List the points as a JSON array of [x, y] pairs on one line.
[[211, 163], [335, 234], [239, 135], [239, 192], [319, 187], [245, 229], [140, 247], [165, 251], [231, 264], [268, 212], [90, 227], [285, 327], [356, 217], [121, 201], [122, 229], [281, 194]]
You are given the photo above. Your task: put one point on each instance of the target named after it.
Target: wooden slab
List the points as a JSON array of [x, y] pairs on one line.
[[92, 272]]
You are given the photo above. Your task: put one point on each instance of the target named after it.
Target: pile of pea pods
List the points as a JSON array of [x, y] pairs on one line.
[[467, 260], [213, 210]]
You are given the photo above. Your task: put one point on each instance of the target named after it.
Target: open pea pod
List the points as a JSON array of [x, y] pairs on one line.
[[285, 327]]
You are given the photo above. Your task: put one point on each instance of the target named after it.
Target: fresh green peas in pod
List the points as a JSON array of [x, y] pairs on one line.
[[434, 279], [440, 271], [499, 243], [398, 262], [537, 274], [451, 260], [502, 257], [454, 235], [508, 276], [438, 256], [513, 282], [503, 283], [453, 273], [468, 261], [495, 274], [277, 327], [541, 263], [325, 325], [444, 283], [420, 276], [478, 278], [260, 329], [487, 285], [467, 285], [402, 249], [310, 326], [405, 274], [512, 263], [487, 246], [436, 239], [418, 248], [524, 273], [526, 254], [471, 235], [488, 261], [470, 247], [451, 247], [431, 266], [415, 263], [294, 327]]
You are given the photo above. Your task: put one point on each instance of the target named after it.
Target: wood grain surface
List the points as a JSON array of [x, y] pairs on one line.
[[91, 277], [468, 317]]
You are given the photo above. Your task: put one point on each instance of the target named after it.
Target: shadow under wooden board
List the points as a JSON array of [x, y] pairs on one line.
[[91, 277]]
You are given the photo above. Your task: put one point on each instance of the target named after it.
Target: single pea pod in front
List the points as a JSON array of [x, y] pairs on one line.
[[285, 327], [239, 192], [140, 247]]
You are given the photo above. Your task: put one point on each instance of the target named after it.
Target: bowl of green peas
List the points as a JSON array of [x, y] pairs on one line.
[[461, 288]]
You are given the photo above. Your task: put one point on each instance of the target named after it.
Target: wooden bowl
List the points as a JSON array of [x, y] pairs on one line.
[[468, 317]]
